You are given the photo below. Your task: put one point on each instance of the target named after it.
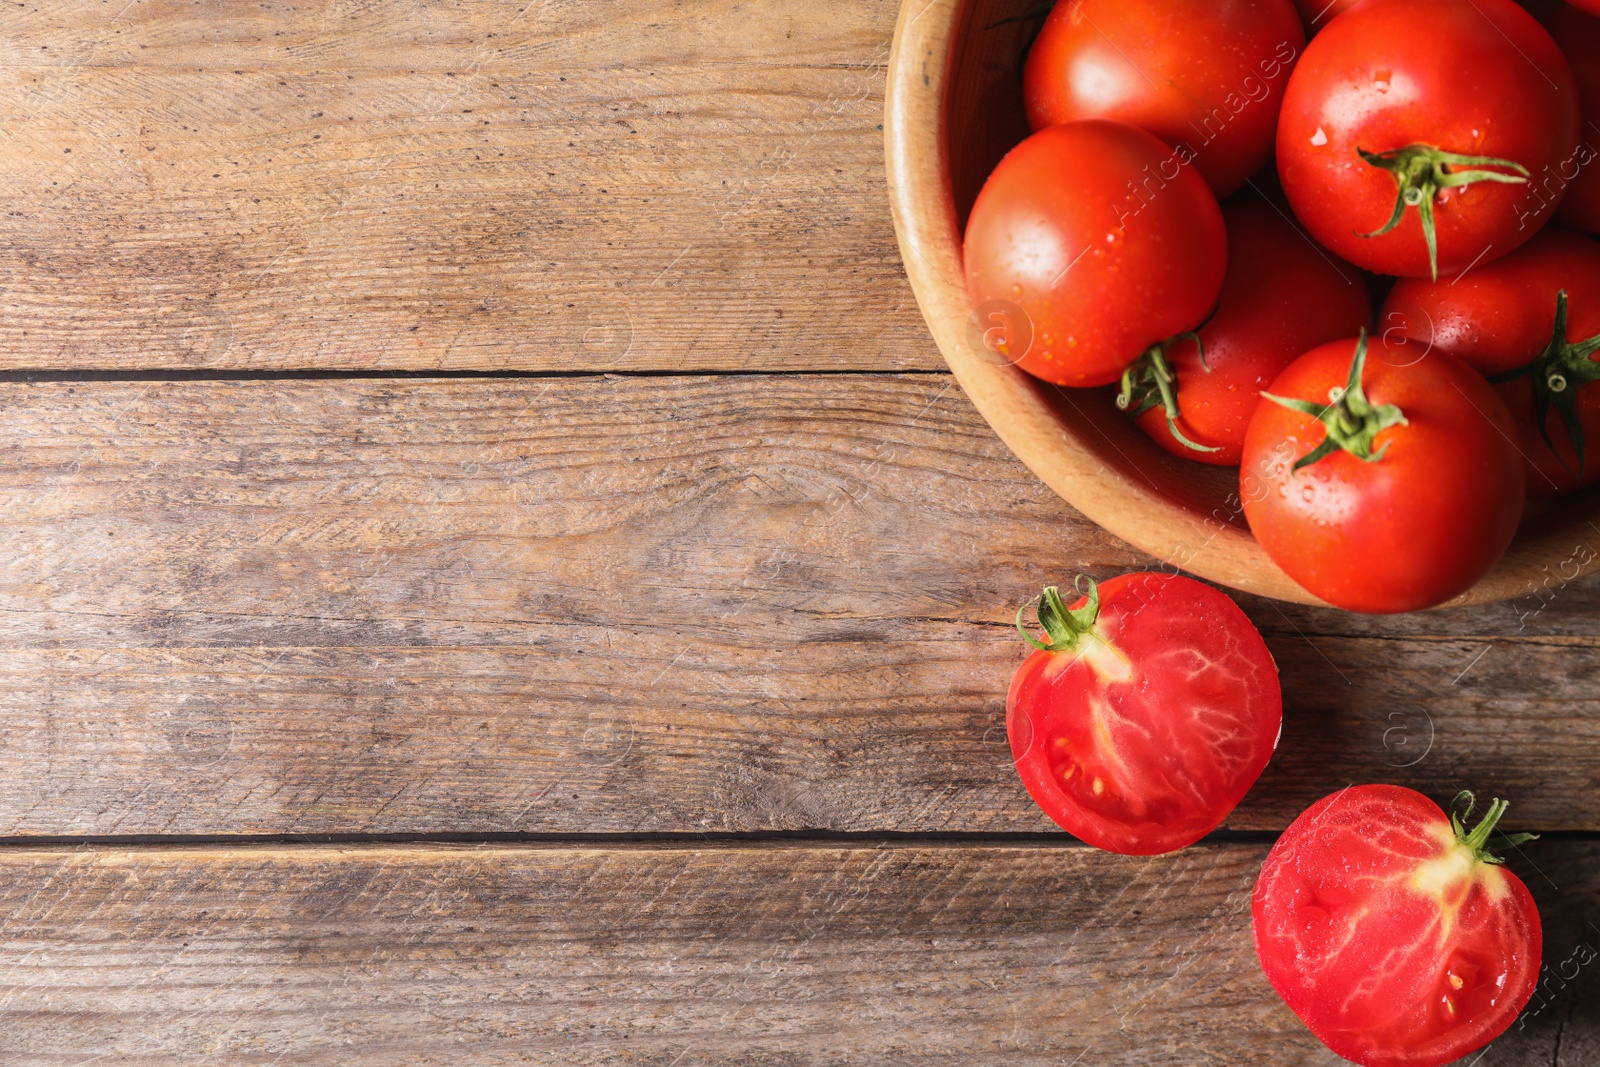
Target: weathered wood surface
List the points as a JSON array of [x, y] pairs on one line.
[[627, 605], [535, 184], [590, 605], [744, 955]]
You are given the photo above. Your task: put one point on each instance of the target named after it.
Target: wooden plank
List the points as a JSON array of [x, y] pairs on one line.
[[626, 605], [549, 184], [793, 954]]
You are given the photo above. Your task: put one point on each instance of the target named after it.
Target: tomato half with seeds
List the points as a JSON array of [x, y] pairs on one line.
[[1283, 297], [1382, 485], [1205, 76], [1146, 715], [1103, 240], [1392, 931], [1530, 322], [1410, 130]]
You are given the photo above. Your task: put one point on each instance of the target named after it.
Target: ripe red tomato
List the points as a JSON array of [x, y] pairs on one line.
[[1146, 717], [1283, 296], [1205, 76], [1578, 36], [1509, 317], [1318, 13], [1392, 932], [1104, 241], [1410, 128], [1382, 485]]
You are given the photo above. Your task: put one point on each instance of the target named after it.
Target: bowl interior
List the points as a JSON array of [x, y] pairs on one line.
[[954, 110]]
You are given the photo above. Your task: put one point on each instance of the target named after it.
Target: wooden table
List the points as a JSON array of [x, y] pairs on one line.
[[495, 572]]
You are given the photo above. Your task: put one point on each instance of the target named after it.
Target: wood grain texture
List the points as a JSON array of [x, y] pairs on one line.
[[757, 956], [549, 184], [630, 605]]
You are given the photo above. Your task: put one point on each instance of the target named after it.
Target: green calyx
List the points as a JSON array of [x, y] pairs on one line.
[[1558, 373], [1353, 422], [1478, 839], [1422, 172], [1061, 624], [1151, 383]]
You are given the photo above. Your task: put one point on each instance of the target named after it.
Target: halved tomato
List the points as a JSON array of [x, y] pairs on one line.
[[1392, 930], [1148, 713]]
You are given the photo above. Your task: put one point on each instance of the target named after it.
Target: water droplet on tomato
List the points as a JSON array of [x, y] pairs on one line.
[[1319, 138]]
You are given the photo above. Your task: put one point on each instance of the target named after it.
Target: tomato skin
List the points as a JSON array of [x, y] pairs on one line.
[[1283, 296], [1477, 77], [1411, 530], [1173, 748], [1497, 319], [1591, 6], [1393, 947], [1103, 240], [1578, 36], [1202, 75]]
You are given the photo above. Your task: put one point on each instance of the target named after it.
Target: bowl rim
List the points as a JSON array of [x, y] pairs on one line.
[[1015, 404]]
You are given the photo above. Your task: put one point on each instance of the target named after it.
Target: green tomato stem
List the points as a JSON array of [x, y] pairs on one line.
[[1478, 838], [1061, 624], [1558, 373], [1352, 421], [1150, 382], [1421, 172]]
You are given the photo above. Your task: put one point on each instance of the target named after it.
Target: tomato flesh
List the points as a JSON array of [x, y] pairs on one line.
[[1391, 940], [1205, 76], [1103, 241], [1143, 740]]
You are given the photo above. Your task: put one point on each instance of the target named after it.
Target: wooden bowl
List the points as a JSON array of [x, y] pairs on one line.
[[953, 109]]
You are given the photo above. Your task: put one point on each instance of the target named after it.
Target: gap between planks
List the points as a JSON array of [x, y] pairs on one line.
[[93, 375], [845, 841], [734, 842]]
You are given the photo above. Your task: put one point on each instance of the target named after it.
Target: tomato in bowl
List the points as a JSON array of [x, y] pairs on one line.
[[954, 108]]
